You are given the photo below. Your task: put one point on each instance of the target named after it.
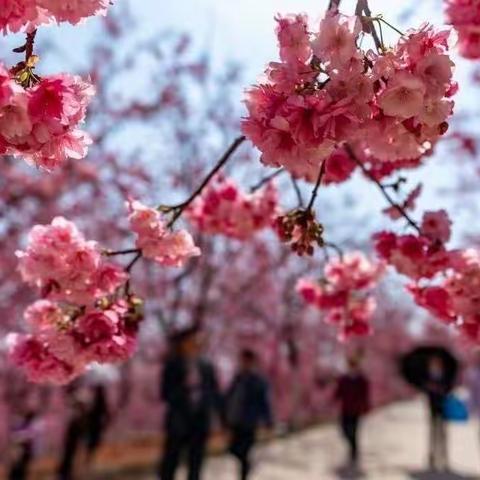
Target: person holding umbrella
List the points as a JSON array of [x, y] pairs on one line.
[[433, 370]]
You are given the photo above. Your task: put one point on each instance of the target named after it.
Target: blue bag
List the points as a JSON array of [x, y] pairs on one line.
[[455, 410]]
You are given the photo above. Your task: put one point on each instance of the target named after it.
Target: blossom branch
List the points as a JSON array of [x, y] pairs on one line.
[[317, 186], [367, 22], [297, 192], [334, 5], [266, 179], [113, 253], [382, 188], [28, 46], [179, 209], [335, 247]]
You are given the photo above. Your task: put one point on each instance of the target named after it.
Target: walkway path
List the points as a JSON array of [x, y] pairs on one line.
[[394, 449]]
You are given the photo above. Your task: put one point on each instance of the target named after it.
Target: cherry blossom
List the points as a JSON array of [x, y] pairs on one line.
[[344, 293], [65, 266], [464, 15], [392, 105], [41, 123], [66, 340], [223, 208], [17, 15], [155, 239], [415, 256]]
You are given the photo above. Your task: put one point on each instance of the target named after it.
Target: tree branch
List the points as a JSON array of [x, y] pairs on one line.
[[266, 179], [317, 185], [297, 192], [179, 209], [382, 189]]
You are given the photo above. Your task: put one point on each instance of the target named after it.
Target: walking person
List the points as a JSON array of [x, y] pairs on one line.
[[74, 436], [247, 408], [190, 390], [436, 388], [353, 396], [433, 370], [97, 420], [22, 444]]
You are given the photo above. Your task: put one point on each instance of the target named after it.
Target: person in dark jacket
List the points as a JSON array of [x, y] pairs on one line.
[[97, 420], [247, 407], [74, 434], [190, 390], [22, 445], [436, 388], [353, 395]]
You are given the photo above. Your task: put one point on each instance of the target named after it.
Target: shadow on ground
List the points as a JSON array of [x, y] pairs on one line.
[[349, 473], [432, 475]]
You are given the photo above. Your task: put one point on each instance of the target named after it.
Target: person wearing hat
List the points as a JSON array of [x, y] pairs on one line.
[[190, 391]]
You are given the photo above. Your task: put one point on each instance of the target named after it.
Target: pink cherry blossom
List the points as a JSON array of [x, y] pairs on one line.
[[344, 294], [437, 226], [392, 106], [65, 266], [16, 15], [416, 257], [464, 15], [224, 209], [293, 38], [38, 363], [404, 96], [156, 240], [41, 123], [74, 11]]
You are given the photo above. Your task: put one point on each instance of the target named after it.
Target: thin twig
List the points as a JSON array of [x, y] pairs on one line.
[[130, 251], [334, 5], [335, 247], [317, 185], [382, 189], [178, 209], [298, 192], [367, 22], [266, 179]]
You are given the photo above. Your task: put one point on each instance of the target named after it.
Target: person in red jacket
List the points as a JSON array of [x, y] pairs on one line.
[[353, 396]]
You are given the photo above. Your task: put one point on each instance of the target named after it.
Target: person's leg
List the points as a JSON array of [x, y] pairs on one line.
[[196, 454], [437, 441], [432, 439], [443, 443], [171, 457], [355, 424], [242, 444], [348, 431]]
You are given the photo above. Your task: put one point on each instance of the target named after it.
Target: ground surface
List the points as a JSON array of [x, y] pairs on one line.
[[394, 449]]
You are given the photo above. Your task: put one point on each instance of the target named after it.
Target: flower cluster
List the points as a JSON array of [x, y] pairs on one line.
[[155, 239], [67, 267], [40, 122], [344, 293], [418, 256], [301, 229], [392, 105], [464, 15], [64, 340], [224, 209], [16, 15], [455, 298], [82, 317]]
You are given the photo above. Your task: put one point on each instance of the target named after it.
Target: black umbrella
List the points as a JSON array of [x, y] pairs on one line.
[[414, 366]]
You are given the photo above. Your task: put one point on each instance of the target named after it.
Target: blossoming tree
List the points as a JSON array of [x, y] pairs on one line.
[[339, 100]]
